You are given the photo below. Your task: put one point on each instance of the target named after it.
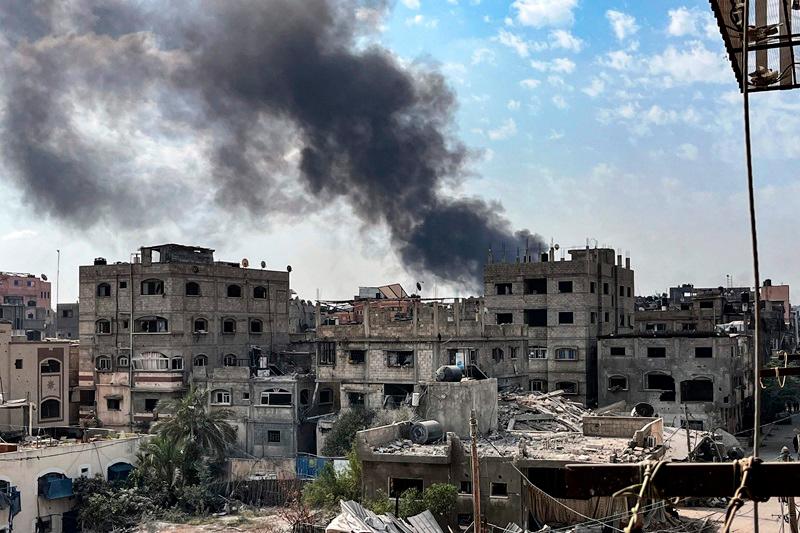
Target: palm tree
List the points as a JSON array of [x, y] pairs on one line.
[[161, 462], [191, 425]]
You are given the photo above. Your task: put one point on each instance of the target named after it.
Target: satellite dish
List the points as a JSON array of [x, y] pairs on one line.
[[289, 268], [245, 263], [263, 264], [556, 247], [44, 277]]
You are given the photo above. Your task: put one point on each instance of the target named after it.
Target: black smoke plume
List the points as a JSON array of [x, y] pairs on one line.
[[249, 80]]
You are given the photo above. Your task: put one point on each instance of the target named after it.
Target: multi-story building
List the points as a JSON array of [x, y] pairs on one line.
[[558, 309], [148, 325], [25, 302], [34, 373], [67, 323], [536, 328], [699, 377]]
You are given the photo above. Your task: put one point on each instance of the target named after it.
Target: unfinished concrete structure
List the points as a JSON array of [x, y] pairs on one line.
[[148, 324], [699, 377], [556, 310], [68, 320]]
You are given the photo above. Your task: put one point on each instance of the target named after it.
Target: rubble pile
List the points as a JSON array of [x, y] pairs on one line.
[[406, 445], [536, 411]]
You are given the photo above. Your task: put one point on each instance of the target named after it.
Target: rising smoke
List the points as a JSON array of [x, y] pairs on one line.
[[249, 80]]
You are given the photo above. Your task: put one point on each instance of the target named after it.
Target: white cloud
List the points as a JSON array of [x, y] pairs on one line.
[[513, 105], [562, 64], [564, 39], [530, 83], [522, 47], [542, 13], [555, 135], [688, 151], [595, 88], [559, 102], [422, 21], [411, 4], [624, 25], [559, 64], [557, 81], [504, 131], [483, 55], [695, 64], [617, 59], [20, 234], [692, 22]]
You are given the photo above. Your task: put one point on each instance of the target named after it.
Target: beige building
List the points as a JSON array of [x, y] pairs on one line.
[[37, 373], [37, 479], [146, 325]]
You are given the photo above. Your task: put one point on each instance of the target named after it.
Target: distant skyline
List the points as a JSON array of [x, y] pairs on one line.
[[615, 121]]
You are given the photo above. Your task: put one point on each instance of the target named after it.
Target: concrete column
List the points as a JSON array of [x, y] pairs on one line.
[[317, 316], [366, 319], [435, 318], [457, 315]]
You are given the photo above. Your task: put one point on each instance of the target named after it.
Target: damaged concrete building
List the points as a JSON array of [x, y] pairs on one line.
[[173, 315], [517, 466], [699, 379], [557, 310]]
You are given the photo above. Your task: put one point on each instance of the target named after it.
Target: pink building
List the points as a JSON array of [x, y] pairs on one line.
[[777, 293], [27, 289]]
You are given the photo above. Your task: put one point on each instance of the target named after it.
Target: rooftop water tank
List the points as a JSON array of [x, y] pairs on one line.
[[426, 431], [451, 373]]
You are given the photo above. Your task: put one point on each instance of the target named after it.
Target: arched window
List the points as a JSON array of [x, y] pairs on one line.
[[103, 290], [569, 387], [220, 397], [617, 383], [234, 291], [256, 326], [151, 361], [103, 327], [660, 381], [31, 303], [103, 363], [123, 361], [201, 360], [192, 288], [152, 286], [278, 397], [699, 389], [50, 409], [176, 363], [50, 366], [200, 325], [152, 324], [119, 471], [229, 326], [229, 360], [260, 293]]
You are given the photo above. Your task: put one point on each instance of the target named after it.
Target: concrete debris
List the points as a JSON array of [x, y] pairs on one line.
[[535, 411], [406, 445]]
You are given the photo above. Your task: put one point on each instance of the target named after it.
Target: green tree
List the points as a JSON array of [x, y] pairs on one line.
[[440, 498], [332, 486], [192, 424], [339, 440], [161, 462]]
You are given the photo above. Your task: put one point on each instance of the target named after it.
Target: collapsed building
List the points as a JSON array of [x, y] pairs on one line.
[[522, 462]]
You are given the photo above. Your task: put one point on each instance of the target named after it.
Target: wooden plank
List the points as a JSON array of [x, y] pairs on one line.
[[767, 479]]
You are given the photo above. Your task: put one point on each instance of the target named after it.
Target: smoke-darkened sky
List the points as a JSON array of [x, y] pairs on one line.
[[439, 127], [247, 82]]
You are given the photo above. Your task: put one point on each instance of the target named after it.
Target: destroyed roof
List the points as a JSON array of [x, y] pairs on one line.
[[539, 412], [354, 518]]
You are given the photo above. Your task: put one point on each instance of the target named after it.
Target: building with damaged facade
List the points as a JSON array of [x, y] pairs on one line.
[[517, 466], [557, 310], [699, 379], [25, 303], [173, 316]]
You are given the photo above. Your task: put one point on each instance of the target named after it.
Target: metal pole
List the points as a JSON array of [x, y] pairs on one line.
[[130, 345], [688, 439], [476, 473], [754, 239], [58, 282]]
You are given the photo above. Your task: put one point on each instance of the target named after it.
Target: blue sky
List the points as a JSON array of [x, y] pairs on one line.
[[615, 121]]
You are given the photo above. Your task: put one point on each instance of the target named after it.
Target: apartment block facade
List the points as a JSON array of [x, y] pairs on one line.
[[148, 324], [558, 309]]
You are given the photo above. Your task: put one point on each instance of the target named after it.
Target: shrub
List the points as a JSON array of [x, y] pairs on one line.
[[343, 432]]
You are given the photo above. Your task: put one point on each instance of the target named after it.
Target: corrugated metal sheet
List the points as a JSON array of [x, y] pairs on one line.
[[357, 519]]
